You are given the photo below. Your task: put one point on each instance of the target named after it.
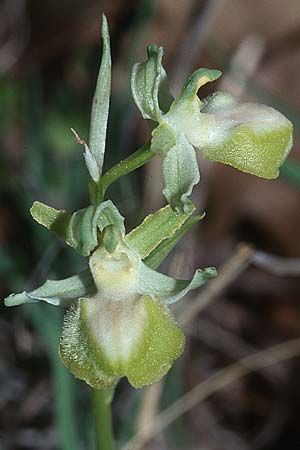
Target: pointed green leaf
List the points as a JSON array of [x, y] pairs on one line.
[[149, 85], [100, 109], [57, 292], [154, 229], [167, 289]]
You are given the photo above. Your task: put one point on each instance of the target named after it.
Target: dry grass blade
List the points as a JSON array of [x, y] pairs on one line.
[[277, 265], [227, 274]]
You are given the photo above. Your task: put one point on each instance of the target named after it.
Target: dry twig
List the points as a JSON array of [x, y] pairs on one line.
[[219, 380], [227, 274]]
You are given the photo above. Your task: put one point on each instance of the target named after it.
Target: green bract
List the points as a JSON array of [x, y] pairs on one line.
[[251, 137], [94, 152]]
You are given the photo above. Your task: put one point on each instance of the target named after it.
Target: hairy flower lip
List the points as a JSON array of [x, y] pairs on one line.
[[103, 341]]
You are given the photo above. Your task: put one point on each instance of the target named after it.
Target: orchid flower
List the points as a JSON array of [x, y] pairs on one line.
[[118, 322], [251, 137]]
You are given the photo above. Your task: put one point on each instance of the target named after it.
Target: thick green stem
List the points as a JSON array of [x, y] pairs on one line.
[[134, 161], [102, 418]]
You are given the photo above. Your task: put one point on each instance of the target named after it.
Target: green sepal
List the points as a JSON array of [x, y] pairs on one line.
[[149, 85], [57, 292], [180, 167], [86, 223], [94, 154], [154, 229], [53, 219], [181, 174], [170, 290], [163, 139], [154, 259]]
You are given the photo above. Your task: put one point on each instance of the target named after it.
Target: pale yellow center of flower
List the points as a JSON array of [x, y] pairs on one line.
[[115, 274]]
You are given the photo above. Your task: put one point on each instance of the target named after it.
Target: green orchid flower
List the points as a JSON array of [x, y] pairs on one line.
[[118, 322], [251, 137]]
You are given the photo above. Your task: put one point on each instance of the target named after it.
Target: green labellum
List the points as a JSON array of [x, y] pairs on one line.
[[259, 154], [105, 340]]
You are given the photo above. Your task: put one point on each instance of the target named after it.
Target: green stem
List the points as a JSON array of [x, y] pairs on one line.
[[102, 398], [134, 161], [102, 418]]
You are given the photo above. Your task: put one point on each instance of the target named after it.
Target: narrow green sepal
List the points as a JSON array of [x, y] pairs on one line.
[[181, 174], [53, 219], [149, 85], [154, 229], [155, 258], [57, 292]]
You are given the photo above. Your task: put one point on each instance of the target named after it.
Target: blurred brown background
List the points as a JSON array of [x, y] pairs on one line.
[[49, 57]]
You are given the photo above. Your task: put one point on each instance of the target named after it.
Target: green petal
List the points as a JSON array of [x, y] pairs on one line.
[[195, 81], [57, 292], [86, 223], [170, 290]]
